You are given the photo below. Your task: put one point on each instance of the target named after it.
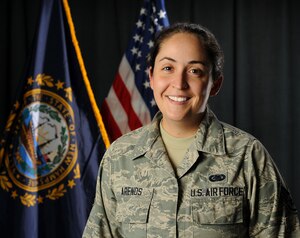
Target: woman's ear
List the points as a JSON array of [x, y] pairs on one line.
[[216, 86]]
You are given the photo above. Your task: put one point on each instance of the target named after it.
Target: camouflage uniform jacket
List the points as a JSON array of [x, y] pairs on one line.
[[227, 186]]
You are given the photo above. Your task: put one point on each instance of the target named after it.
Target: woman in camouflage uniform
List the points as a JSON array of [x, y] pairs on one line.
[[187, 174]]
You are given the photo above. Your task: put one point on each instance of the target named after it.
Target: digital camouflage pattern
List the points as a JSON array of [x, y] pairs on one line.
[[227, 186]]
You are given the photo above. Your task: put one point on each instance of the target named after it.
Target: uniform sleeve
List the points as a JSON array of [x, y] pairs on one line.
[[101, 219], [272, 211]]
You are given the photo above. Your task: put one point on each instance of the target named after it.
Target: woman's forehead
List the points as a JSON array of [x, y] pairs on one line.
[[182, 45]]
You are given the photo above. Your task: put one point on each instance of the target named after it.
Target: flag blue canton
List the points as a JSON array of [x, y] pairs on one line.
[[152, 19]]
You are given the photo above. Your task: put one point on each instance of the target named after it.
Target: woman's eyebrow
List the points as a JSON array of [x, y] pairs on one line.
[[205, 63], [167, 58]]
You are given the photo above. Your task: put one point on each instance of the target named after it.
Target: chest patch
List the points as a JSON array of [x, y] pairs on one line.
[[217, 177], [131, 191], [218, 192]]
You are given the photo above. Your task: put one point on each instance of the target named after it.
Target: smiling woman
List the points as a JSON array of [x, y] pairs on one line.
[[182, 83], [260, 92], [187, 174]]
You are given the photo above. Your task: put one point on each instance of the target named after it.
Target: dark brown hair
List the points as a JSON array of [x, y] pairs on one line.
[[208, 40]]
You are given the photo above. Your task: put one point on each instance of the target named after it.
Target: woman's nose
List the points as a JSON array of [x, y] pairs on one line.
[[180, 82]]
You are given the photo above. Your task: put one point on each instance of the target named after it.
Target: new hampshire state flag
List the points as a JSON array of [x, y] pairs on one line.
[[54, 138]]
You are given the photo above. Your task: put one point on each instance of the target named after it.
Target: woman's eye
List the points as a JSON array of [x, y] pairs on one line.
[[167, 68], [195, 71], [198, 72]]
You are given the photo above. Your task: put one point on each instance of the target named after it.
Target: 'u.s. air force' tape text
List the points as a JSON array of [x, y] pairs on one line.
[[217, 192]]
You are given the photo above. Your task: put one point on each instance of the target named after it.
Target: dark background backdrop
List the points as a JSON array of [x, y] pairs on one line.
[[260, 39]]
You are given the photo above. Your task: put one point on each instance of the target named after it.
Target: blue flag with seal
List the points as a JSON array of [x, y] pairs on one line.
[[54, 138]]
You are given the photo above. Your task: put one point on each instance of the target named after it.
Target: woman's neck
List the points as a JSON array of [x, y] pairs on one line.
[[181, 128]]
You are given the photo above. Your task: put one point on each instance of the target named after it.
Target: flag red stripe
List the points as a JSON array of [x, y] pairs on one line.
[[125, 99], [109, 122], [137, 101]]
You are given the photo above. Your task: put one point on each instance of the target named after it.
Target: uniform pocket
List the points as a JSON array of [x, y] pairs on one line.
[[134, 209], [218, 210]]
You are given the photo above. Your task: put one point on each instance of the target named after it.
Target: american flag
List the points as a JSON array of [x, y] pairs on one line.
[[130, 103]]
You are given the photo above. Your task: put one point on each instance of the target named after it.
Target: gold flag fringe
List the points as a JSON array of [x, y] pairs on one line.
[[84, 74]]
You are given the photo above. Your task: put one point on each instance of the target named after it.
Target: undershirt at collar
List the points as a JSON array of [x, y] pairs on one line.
[[176, 147]]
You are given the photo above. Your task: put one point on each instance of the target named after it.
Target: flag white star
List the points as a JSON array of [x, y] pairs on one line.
[[159, 27], [147, 84], [143, 11], [137, 67], [136, 37], [153, 103], [134, 50], [139, 24], [151, 29], [162, 14], [150, 44]]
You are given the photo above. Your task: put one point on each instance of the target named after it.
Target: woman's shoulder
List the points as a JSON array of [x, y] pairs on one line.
[[237, 138], [235, 132], [134, 142], [134, 136]]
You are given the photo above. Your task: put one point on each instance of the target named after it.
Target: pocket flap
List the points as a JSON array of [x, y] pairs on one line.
[[134, 209], [218, 210]]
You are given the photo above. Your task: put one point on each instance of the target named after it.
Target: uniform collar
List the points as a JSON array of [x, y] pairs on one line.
[[209, 137], [149, 134]]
